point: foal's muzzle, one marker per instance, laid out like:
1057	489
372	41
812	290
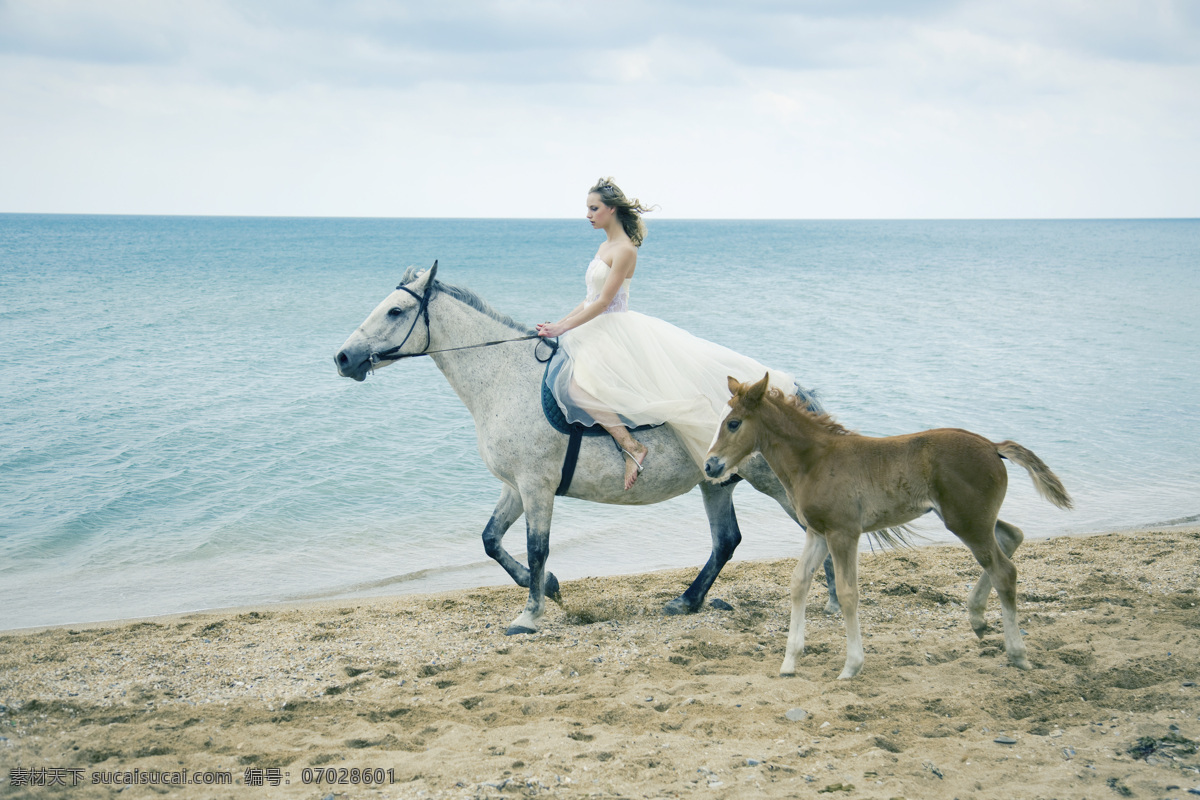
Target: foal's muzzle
714	468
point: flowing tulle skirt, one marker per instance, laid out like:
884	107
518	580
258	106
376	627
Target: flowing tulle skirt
648	372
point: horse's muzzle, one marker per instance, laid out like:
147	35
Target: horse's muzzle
714	468
350	367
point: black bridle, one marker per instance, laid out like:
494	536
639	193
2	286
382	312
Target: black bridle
394	354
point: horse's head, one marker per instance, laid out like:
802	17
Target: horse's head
737	436
398	327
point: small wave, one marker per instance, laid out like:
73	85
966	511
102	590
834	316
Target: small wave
416	581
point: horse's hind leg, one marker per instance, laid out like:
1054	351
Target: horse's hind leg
815	551
722	523
1009	537
983	544
508	510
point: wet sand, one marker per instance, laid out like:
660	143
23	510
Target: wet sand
613	699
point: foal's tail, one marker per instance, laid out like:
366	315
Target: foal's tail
1046	482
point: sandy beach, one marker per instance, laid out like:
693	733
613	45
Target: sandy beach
424	696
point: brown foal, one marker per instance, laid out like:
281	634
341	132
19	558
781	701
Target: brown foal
843	484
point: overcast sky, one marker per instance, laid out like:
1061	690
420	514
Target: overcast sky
512	108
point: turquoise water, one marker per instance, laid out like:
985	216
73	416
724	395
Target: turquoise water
173	434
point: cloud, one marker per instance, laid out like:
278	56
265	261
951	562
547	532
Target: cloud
936	108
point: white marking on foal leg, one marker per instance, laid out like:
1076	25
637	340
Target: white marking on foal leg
1003	576
977	603
1008	537
815	550
1014	644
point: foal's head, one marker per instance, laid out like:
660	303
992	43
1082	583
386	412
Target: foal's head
737	437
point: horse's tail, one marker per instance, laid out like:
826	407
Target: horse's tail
1046	482
893	538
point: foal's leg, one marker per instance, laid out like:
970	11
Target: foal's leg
508	509
1009	537
844	549
982	541
764	480
722	524
815	551
539	507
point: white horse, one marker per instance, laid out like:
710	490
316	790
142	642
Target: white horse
495	367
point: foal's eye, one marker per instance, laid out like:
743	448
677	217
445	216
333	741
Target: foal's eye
394	312
733	425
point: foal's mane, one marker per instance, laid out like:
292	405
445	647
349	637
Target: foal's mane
799	406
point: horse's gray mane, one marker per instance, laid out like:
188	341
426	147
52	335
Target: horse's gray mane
470	298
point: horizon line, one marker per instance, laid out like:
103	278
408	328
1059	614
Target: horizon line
649	220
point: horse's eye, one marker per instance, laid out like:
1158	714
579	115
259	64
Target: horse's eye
733	425
394	312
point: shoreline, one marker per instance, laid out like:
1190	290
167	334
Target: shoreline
340	598
613	699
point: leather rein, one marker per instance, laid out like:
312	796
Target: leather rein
394	354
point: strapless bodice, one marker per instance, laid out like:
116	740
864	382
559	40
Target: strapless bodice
597	274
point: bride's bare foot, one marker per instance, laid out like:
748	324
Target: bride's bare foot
634	459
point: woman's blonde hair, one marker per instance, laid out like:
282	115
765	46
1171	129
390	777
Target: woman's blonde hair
629	212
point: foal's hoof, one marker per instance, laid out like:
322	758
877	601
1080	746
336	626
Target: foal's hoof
513	630
1021	662
678	606
982	630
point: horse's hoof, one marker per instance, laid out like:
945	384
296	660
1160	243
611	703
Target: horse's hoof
552	589
720	605
1021	663
833	608
981	631
513	630
678	606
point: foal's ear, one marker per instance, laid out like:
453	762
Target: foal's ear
735	385
755	393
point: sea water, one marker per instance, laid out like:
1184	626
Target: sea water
174	436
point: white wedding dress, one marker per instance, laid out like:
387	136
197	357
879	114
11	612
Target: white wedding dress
647	371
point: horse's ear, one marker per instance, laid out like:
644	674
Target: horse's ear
755	393
734	385
412	273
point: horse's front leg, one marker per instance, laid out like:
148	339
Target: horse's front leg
815	551
539	508
843	546
722	523
832	605
508	509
